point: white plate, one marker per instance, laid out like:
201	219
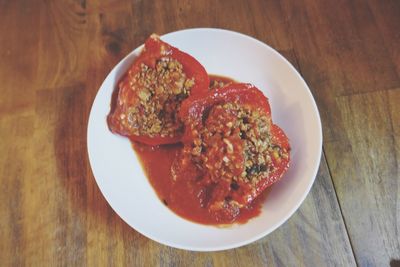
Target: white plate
126	188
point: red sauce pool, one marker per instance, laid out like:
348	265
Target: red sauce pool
180	196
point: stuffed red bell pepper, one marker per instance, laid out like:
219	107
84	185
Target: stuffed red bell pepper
232	146
151	92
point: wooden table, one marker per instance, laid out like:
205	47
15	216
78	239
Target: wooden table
54	56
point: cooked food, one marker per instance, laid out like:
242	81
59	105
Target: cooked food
224	149
151	92
232	147
217	81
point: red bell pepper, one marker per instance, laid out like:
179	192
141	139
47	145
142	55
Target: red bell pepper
195	112
127	94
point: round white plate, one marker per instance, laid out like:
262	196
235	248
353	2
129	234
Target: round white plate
126	188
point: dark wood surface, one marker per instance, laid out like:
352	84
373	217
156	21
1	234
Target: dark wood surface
54	56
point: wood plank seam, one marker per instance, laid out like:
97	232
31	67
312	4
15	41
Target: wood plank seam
330	174
340	208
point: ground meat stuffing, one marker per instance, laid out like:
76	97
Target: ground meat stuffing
159	91
234	144
218	81
214	84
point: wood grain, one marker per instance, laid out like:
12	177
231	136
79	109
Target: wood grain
56	54
351	67
366	175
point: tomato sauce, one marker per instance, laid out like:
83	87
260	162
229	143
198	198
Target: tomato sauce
181	193
180	196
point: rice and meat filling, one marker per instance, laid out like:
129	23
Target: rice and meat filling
233	135
159	91
214	84
235	146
